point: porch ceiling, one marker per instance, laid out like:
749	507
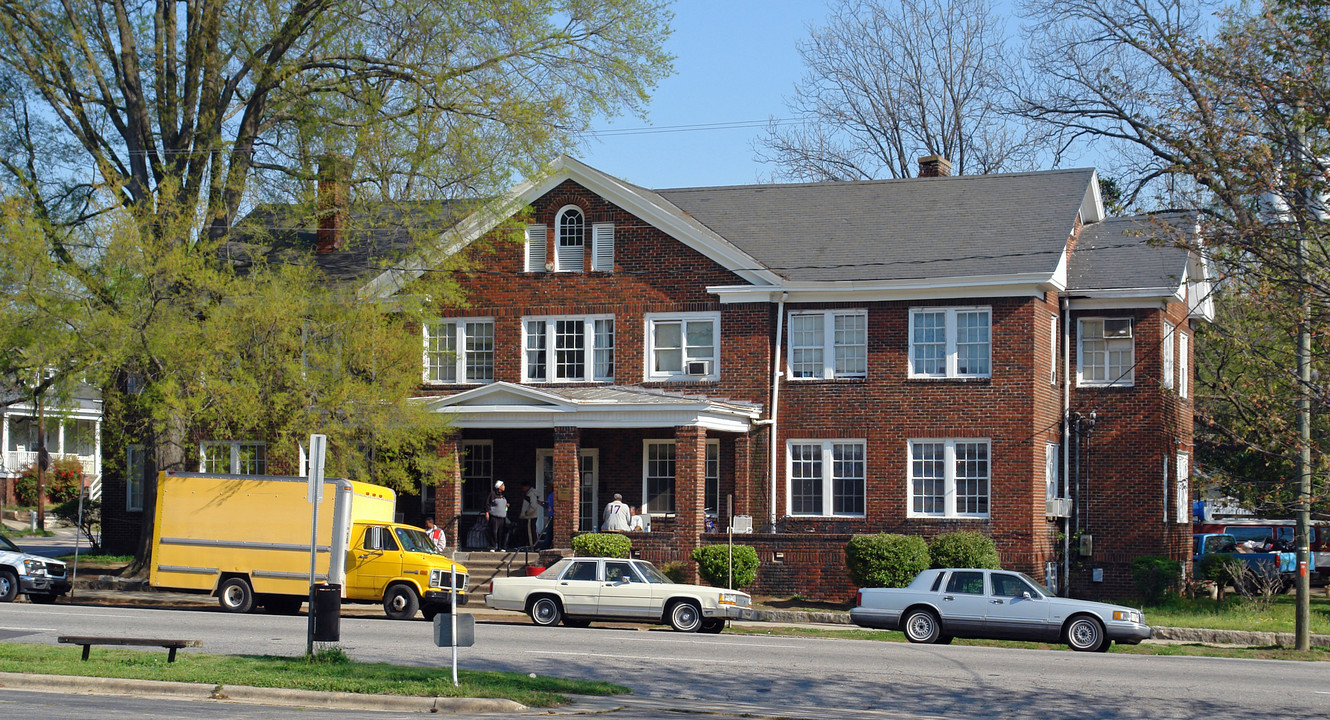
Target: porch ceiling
508	405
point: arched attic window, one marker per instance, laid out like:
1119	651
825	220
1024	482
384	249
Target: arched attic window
570	240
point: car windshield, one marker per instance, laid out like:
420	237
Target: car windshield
650	573
4	543
415	540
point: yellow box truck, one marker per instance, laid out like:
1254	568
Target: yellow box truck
245	539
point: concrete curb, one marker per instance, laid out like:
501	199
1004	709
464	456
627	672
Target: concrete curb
255	695
1235	637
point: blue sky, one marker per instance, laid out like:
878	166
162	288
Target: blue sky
735	62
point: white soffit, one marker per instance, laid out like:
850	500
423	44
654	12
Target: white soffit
1023	285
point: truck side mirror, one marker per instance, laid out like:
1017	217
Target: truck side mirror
374	539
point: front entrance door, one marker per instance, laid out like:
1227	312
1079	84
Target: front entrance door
589	473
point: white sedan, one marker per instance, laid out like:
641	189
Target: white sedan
581	589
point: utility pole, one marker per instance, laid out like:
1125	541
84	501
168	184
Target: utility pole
1302	625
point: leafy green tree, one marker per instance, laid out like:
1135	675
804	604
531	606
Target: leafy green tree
134	135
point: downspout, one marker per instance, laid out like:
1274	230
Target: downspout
775	404
1066	443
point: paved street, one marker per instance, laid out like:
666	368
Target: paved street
764	676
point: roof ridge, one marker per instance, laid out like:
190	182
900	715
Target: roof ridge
883	181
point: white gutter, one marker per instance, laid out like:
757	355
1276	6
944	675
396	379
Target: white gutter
775	398
1066	443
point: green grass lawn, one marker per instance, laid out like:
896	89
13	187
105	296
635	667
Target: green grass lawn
329	671
1236	614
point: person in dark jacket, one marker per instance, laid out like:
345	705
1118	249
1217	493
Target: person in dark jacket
496	512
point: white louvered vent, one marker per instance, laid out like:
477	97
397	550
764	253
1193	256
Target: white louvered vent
535	248
602	247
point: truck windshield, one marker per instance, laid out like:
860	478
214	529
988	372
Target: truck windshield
414	540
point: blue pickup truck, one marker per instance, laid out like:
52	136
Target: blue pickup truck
1269	563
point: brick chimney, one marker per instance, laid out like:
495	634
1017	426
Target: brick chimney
934	166
331	203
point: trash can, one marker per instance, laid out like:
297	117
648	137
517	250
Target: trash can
327	613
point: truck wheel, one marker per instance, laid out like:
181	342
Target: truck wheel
1085	634
8	586
922	626
43	598
235	595
545	611
400	602
685	616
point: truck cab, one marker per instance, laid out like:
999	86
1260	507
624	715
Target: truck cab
388	559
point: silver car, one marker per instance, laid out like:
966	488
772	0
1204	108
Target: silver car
942	604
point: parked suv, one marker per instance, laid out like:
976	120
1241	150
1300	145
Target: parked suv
42	579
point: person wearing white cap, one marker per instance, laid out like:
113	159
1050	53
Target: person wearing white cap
616	515
496	512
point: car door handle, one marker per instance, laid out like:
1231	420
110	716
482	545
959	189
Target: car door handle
996	602
948	597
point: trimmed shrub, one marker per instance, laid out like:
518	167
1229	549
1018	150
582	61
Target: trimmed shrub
1155	575
964	549
885	559
61	482
611	545
713	564
675	570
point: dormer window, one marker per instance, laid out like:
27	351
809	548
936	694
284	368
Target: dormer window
570	241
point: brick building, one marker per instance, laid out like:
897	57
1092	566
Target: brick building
918	356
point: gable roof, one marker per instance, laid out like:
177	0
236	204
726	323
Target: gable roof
920	228
1139	252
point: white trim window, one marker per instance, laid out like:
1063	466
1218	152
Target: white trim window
1053	350
1166	355
570	240
683	346
828	344
712	499
1106	353
445	364
825	478
1051	466
233	457
948	478
1184	364
135	467
658	477
951	342
568	349
536	238
1182	489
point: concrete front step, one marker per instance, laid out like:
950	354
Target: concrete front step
485	566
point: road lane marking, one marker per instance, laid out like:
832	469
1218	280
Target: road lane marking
645	658
79	614
30	629
714	642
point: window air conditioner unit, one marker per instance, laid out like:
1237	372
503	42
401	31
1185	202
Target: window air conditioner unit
1057	507
1117	328
697	367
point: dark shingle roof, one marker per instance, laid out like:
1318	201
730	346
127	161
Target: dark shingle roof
375	237
897	229
1136	252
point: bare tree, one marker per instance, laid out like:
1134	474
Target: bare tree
887	83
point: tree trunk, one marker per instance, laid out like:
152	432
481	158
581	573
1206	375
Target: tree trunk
168	455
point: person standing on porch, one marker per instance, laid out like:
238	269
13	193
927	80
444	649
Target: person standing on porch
616	515
496	512
530	512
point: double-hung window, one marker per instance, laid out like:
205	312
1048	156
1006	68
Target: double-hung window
658	477
949	342
233	458
135	462
1184	363
829	344
826	477
477	474
568	349
1182	489
1166	356
1107	354
459	351
949	478
683	346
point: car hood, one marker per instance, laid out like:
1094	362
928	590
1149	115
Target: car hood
1103	608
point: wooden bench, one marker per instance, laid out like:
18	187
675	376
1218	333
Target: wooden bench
88	641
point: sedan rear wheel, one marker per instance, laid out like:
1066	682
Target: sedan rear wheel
545	611
922	626
1086	634
685	616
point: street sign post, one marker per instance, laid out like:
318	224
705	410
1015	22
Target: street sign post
318	450
454	631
